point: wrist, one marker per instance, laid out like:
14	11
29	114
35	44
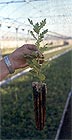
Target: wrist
11	58
9	64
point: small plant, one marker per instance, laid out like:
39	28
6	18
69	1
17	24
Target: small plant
36	62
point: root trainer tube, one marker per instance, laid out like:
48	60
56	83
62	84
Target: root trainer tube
39	96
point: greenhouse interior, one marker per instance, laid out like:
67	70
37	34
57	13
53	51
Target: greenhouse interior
35	70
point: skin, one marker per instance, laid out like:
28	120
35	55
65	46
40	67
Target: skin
17	59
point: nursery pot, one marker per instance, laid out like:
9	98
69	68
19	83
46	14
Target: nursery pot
39	96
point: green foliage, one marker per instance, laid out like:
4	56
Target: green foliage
37	28
34	62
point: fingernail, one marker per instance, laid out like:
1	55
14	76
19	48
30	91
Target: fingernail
36	52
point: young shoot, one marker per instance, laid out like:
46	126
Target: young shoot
36	61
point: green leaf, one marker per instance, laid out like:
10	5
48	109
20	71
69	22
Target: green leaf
30	21
42	23
33	35
37	44
36	28
36	67
32	73
41	77
45	31
36	63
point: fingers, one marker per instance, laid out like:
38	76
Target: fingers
33	51
39	54
29	50
31	47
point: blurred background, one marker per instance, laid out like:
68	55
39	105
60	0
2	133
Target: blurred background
14	25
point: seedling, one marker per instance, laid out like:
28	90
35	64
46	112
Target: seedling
36	61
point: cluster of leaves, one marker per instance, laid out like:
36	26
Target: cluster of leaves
37	29
17	113
36	62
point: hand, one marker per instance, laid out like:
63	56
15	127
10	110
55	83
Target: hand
17	57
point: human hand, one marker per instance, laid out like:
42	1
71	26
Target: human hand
17	57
